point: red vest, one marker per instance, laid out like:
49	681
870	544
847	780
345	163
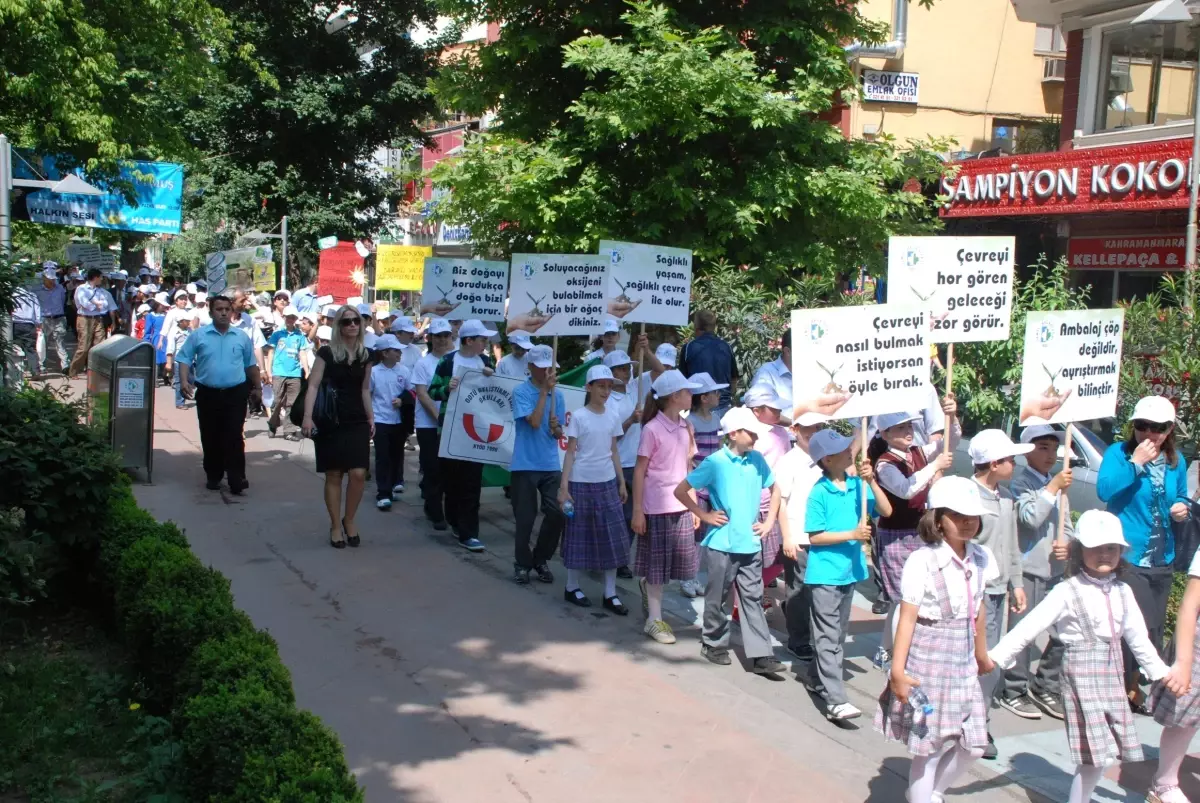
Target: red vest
905	512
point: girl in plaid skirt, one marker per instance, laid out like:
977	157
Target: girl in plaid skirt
706	431
595	538
666	545
1093	610
941	644
1178	714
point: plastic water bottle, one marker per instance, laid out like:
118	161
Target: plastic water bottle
568	509
882	659
918	701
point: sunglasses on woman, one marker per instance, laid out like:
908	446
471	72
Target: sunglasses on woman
1151	426
344	322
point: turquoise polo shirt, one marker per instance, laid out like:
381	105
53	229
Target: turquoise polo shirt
734	486
832	510
218	360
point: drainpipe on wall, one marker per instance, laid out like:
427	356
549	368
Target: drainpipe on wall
888	50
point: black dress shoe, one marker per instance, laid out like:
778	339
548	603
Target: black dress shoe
624	573
213	485
880	607
351	540
236	488
615	605
577	598
544	575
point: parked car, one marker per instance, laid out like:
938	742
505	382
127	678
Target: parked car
1087	448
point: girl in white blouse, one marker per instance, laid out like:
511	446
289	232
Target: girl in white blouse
941	644
1092	610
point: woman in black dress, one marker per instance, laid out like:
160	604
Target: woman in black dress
343	450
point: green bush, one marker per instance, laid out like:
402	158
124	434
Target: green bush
246	745
236	660
59	471
167	605
124	525
22	565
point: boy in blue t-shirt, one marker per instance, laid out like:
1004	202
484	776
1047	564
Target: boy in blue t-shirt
837	534
734	477
287	345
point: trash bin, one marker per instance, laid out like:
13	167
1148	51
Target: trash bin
120	392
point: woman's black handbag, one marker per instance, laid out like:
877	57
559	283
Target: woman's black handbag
325	410
1187	537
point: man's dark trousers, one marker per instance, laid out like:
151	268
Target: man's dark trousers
526	487
222	415
463	482
432	488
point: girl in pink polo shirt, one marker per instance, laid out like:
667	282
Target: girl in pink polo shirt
666	546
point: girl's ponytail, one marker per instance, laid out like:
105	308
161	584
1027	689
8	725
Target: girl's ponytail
652	407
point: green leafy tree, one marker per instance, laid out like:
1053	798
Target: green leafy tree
698	126
295	137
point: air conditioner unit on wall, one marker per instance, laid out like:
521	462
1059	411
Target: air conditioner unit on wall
1054	70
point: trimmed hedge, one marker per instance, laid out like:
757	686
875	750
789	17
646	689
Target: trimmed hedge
218	679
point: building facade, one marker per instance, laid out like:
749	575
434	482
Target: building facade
1113	199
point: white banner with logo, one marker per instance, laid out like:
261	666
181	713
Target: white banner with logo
883	86
1072	365
648	283
878	353
464	289
965	284
558	294
480	425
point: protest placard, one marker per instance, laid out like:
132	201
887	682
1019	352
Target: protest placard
1072	365
400	267
558	294
648	283
464	289
965	284
480	425
879	354
340	272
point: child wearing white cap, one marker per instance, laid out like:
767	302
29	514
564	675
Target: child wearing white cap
706	434
734	477
1094	611
515	363
624	403
906	472
837	530
666	544
389	385
933	702
605	344
591	493
427	413
767	407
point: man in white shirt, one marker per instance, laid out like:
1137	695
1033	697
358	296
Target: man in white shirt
244	321
515	364
796	475
94	305
426	423
777	375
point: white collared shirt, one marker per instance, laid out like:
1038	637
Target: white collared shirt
1056	611
778	377
917	581
796	475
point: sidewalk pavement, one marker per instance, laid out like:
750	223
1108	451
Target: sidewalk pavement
446	682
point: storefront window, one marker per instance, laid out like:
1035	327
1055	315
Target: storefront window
1147	76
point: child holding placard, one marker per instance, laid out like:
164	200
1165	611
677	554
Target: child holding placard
906	472
933	702
591	494
666	546
1093	611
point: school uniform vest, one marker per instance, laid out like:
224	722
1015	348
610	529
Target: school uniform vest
905	512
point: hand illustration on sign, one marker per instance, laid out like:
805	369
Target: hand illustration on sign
622	305
439	308
833	386
528	322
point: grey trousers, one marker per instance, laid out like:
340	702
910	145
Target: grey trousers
1048	679
725	569
993	682
796	609
830	619
55	331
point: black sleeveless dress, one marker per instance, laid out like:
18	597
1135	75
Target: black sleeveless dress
348	445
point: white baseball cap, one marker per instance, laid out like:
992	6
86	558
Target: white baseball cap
325	332
330	311
706	382
521	339
439	326
363	309
403	324
666	354
201	298
827	442
762	396
617	358
179	293
611	325
958	494
889	420
1156	409
283	293
164	299
191	288
741	418
598	372
310	316
143	308
812	419
993	444
388	341
669	382
1037	431
200	283
291	312
543	357
50	273
1099	527
354	301
382	314
144	288
474	328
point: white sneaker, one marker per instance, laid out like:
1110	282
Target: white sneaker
1166	794
688	588
384	504
660	631
842	711
935	799
398	488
